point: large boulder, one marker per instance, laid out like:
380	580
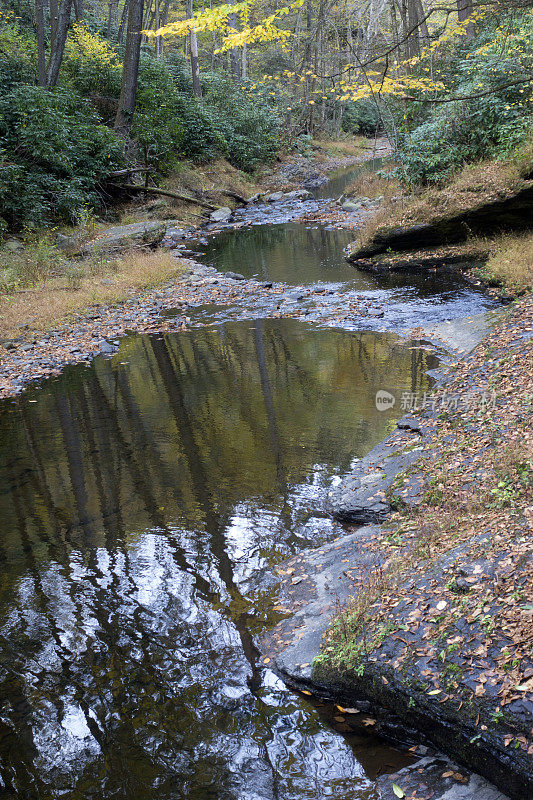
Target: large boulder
220	214
142	234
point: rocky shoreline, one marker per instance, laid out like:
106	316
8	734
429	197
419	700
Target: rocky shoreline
425	653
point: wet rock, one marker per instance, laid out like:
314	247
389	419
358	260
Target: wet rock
298	194
221	214
440	779
409	424
106	348
146	233
314	181
274	197
236	276
362	496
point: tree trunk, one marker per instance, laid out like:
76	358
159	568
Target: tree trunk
234	53
41	53
395	31
146	21
464	12
79	10
157	25
56	54
195	64
130	70
112	15
54	20
123	21
414	33
423	23
244	61
164	18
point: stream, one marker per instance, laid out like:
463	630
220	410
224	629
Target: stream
146	500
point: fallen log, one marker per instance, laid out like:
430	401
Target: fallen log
119	173
133	187
236	196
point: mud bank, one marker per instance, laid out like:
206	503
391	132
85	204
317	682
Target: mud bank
426	620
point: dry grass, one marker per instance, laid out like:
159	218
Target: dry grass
369	184
510	262
208	180
53	298
474	185
351	146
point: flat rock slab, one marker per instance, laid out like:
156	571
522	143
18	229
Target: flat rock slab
361	497
314	585
463	334
147	232
437	778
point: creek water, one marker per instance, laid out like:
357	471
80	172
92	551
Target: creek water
340	179
306	255
145	501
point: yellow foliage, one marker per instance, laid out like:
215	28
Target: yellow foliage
81	43
217	19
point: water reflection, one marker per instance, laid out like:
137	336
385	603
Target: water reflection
291	253
340	179
143	501
302	255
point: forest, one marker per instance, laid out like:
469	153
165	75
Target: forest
92	88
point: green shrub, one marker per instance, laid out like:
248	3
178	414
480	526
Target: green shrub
250	128
492	125
54	152
361	117
90	65
17	53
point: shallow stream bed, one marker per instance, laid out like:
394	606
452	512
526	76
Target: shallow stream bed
146	500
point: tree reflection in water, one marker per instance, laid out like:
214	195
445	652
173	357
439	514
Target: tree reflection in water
143	504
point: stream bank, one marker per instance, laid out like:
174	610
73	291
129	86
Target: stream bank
428	616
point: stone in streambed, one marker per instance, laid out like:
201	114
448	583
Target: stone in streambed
221	214
437	775
298	194
349	205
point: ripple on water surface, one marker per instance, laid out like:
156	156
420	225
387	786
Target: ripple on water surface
144	501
